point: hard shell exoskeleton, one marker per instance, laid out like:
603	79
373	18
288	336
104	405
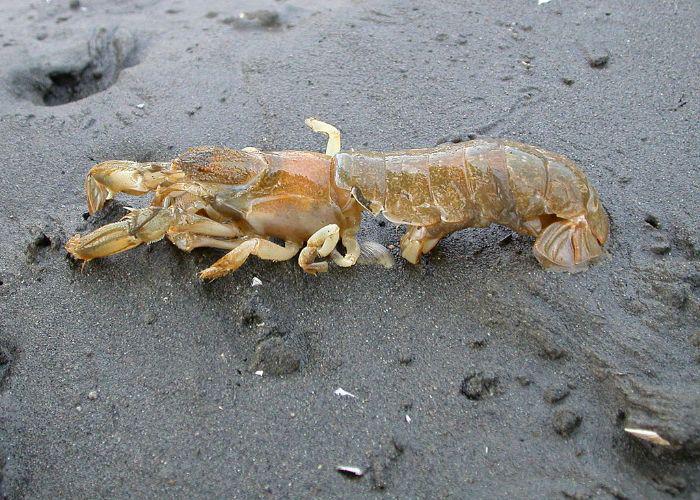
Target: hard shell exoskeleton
240	200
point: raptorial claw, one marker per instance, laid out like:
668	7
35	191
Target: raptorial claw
116	176
97	194
139	226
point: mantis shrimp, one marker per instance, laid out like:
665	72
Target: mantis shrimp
242	200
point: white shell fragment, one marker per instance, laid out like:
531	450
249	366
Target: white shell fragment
350	470
342	392
259	373
408	419
256	281
646	435
540	2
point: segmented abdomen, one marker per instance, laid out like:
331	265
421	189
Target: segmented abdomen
475	183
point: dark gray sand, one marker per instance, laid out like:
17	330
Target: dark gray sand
132	378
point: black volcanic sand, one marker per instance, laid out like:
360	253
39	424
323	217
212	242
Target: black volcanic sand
132	378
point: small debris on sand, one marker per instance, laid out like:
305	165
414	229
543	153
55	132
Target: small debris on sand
555	393
266	18
647	435
350	471
600	60
262	18
478	384
566	421
652	220
505	240
342	392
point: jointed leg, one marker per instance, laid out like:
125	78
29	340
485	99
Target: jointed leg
151	224
193	223
186	195
186	231
189	241
111	177
415	243
193	231
333	146
352	247
320	244
420	240
259	247
352	216
138	226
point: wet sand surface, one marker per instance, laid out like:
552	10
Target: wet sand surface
476	373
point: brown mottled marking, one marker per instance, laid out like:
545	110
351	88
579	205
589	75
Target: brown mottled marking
218	164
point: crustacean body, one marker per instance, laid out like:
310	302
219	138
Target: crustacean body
240	199
478	183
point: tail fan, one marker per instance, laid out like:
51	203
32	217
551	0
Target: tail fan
568	245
